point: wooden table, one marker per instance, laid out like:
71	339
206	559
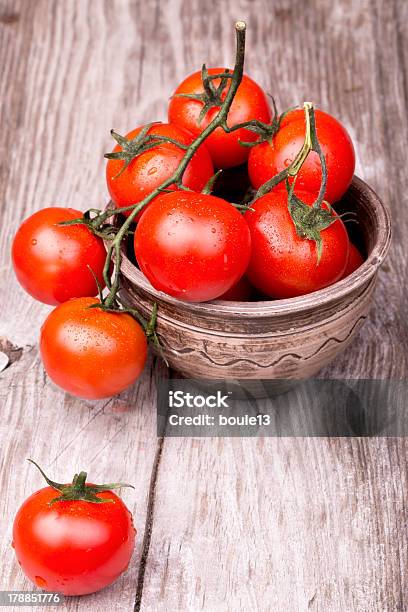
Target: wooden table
282	524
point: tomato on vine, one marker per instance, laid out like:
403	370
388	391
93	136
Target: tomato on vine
148	156
192	246
268	159
92	353
197	101
74	539
284	263
52	262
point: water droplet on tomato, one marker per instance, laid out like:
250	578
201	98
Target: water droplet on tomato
33	242
152	170
12	545
287	162
40	582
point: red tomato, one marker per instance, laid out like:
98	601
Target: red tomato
50	260
91	353
282	264
354	261
250	102
192	246
150	169
73	547
268	159
240	292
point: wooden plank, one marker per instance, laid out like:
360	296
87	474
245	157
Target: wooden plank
65	72
303	524
279	524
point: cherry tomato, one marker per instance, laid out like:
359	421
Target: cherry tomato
250	102
282	264
89	352
240	292
150	169
355	259
73	547
192	246
268	159
50	260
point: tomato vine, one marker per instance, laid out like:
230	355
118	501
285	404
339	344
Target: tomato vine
114	236
309	221
79	489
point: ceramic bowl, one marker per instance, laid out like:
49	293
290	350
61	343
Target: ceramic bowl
280	339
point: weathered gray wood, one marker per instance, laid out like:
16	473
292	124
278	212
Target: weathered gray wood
266	524
278	524
64	70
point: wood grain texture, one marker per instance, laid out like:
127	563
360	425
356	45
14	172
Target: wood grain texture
278	524
268	524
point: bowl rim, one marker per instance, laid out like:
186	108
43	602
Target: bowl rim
334	292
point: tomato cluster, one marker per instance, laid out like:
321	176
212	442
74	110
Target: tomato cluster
190	243
194	240
187	244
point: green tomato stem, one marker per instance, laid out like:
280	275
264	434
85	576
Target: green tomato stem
78	490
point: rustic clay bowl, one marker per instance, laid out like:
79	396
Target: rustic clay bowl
281	339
